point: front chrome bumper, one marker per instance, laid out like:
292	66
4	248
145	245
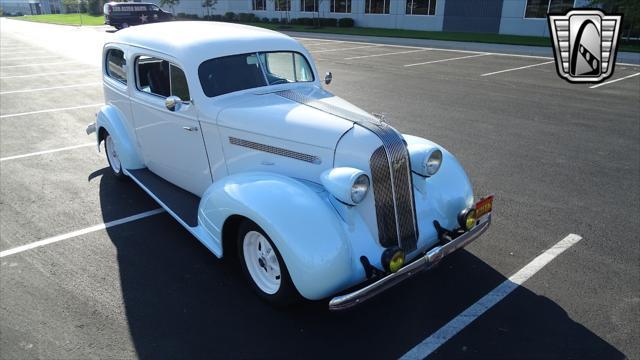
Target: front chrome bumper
431	258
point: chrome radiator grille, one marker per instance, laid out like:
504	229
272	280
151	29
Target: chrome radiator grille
390	171
393	190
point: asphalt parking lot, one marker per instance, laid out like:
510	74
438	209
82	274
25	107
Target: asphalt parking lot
88	269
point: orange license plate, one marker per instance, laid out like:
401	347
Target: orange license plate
484	206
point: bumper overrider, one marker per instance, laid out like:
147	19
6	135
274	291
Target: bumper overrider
425	262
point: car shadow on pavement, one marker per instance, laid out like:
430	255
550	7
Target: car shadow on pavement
182	302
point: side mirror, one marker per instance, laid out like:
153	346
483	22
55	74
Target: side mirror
173	103
328	77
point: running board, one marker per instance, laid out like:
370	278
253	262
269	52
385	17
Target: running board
183	204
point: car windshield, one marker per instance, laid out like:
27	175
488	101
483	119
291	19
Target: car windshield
239	72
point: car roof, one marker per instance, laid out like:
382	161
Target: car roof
197	41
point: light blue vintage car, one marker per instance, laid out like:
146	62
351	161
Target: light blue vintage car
228	127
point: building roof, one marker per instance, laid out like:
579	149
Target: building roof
196	41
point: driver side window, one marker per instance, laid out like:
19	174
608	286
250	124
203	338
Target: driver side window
161	78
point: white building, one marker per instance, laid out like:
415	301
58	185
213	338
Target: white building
517	17
31	7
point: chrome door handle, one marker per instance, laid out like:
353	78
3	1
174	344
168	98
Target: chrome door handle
190	128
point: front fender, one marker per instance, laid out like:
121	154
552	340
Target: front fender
442	196
299	220
113	121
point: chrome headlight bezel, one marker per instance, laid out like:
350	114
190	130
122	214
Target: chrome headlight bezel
425	160
433	162
360	188
349	185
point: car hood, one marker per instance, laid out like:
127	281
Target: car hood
292	115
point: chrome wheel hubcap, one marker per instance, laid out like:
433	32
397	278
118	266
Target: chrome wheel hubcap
262	262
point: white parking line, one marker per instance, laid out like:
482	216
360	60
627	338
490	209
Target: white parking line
315	39
518	68
31	57
386	54
613	81
50	88
50	110
345	49
449	59
20	48
27	52
453	327
314	43
49	73
76	233
46	152
327	41
38	64
455	50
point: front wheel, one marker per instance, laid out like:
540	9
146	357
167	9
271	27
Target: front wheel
263	266
112	157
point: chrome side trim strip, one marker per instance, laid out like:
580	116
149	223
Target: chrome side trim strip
276	150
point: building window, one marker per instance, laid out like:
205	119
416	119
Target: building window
540	8
340	6
283	5
421	7
308	5
376	7
259	5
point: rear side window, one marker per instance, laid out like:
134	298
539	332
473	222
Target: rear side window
116	65
159	77
230	73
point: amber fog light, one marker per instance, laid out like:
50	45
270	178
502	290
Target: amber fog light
467	219
393	259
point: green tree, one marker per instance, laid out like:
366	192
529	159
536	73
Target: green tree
94	7
74	6
170	3
209	5
630	9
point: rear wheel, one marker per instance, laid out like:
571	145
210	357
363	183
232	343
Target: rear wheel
263	266
124	26
112	157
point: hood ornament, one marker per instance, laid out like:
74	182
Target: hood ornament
381	117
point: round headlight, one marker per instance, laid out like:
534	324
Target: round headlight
425	159
346	184
359	188
433	162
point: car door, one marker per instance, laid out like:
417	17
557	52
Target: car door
171	141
